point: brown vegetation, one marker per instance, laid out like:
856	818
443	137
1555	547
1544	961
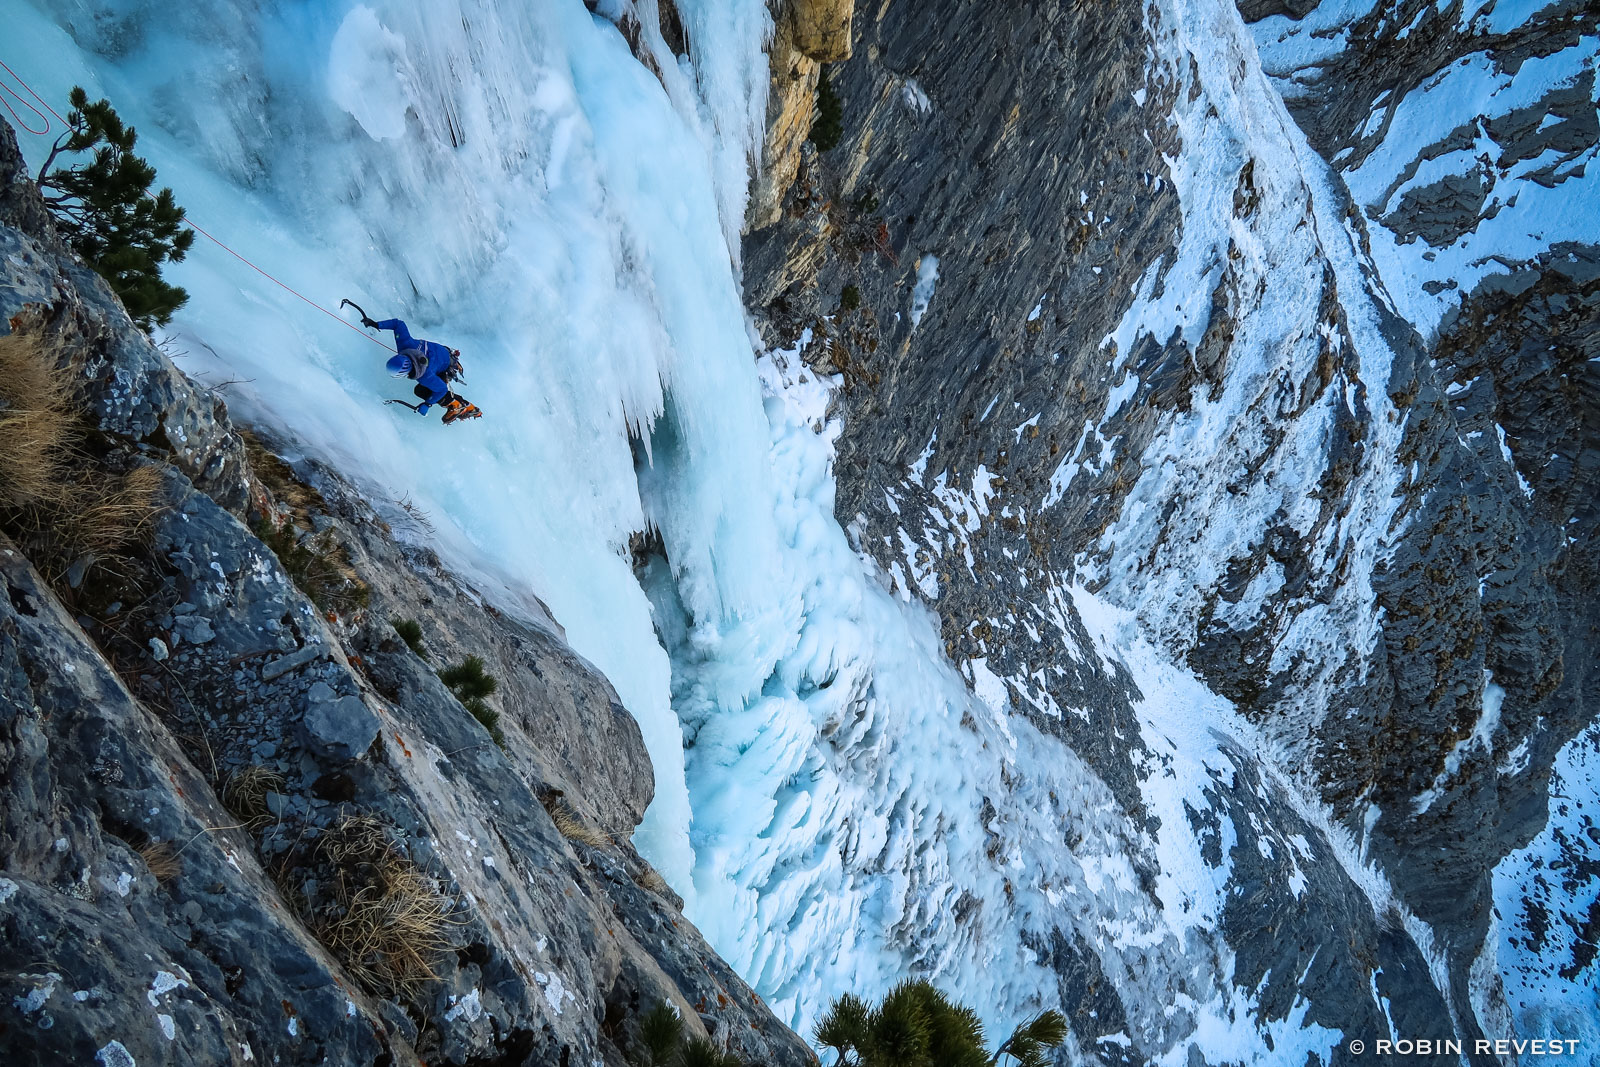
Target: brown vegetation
280	480
67	506
318	564
382	917
574	828
246	793
162	861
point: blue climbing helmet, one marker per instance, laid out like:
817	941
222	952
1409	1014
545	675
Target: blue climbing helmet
401	365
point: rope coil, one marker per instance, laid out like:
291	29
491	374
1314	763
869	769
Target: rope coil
42	117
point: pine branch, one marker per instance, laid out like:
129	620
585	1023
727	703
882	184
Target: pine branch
55	150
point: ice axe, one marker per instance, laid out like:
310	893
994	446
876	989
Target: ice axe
366	320
403	404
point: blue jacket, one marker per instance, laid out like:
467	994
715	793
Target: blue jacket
437	355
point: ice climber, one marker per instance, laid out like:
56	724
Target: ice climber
430	364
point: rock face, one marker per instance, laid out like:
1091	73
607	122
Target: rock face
1061	373
806	35
241	827
822	28
791	105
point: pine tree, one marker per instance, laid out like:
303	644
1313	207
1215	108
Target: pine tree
918	1026
470	684
659	1033
662	1043
103	207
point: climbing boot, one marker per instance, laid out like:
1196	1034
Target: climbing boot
455	408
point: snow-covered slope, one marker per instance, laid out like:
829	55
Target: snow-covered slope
1481	158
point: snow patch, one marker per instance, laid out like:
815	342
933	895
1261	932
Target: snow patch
922	292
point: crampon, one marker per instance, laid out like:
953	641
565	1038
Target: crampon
456	409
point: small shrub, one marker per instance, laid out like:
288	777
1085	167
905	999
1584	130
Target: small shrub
702	1052
849	298
410	632
471	684
660	1030
487	716
245	795
469	679
828	125
104	209
383	918
416	515
1031	1041
662	1044
918	1026
844	1026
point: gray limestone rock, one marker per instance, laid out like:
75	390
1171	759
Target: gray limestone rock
338	727
277	668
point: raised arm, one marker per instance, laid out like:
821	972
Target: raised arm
402	336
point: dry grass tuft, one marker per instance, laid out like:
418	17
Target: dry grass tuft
246	794
36	438
119	511
162	861
573	828
68	510
651	881
383	918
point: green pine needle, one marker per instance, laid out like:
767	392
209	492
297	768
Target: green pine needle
410	632
660	1029
699	1052
1049	1028
844	1027
917	1025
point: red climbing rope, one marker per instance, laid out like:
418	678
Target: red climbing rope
188	220
332	315
24	103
